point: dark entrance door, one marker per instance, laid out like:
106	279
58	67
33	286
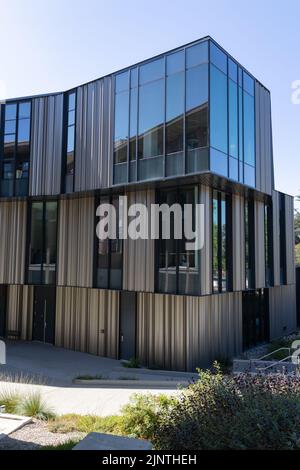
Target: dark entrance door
44	314
127	325
2	310
255	317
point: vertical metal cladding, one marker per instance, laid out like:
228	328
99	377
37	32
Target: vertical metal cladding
87	320
20	310
259	227
238	243
206	252
93	149
185	332
139	255
282	310
46	146
276	240
264	145
76	242
289	236
13	217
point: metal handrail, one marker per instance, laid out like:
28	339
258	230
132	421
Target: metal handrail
273	352
274	363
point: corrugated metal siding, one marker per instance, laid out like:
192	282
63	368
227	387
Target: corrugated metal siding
76	242
46	146
276	234
93	151
20	310
206	252
87	320
264	146
238	238
13	217
184	332
290	240
282	310
260	266
139	255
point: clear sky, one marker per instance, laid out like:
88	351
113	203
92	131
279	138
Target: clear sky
54	45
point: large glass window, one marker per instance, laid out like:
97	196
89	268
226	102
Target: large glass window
221	242
178	268
249	244
282	238
121	126
197	107
174	113
70	119
268	238
218	110
42	243
109	254
15	154
151	119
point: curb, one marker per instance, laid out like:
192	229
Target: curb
174	384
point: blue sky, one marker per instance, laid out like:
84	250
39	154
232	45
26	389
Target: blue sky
54	45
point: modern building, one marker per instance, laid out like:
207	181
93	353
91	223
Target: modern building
190	125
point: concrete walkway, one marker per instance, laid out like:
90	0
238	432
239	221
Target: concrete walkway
50	371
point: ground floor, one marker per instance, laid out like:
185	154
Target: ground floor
174	332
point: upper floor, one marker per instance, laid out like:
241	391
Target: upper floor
190	111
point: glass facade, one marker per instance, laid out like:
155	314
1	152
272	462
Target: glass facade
42	243
15	149
109	254
70	119
232	119
249	244
221	242
178	268
161	117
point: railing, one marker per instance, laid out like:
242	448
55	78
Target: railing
268	355
274	364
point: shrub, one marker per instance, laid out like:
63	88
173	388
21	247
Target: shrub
68	445
132	363
11	400
34	406
89	423
141	415
239	412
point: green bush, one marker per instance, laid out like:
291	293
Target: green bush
141	415
68	445
132	363
239	412
33	405
11	400
89	423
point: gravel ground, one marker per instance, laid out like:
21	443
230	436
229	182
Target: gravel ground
35	435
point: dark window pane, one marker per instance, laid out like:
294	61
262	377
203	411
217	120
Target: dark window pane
10	111
175	62
23	130
72	101
133	123
218	162
233	119
10	127
248	84
174	113
9	146
232	70
24	110
151	118
152	71
218	58
134	77
196	127
218	110
36	243
197	54
49	258
121	126
241	131
215	240
122	81
8	171
249	125
22	170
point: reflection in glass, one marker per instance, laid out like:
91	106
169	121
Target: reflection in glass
175	62
151	118
197	54
122	81
233	119
133	123
49	256
10	111
197	107
24	110
174	113
249	129
218	57
36	243
121	126
152	71
218	110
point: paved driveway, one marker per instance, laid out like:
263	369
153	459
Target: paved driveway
51	370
